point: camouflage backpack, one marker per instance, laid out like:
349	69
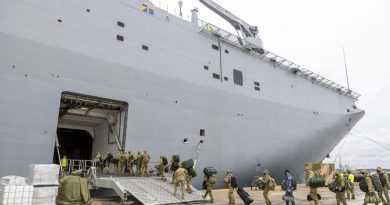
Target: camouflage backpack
145	158
271	184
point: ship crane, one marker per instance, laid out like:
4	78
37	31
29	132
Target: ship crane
248	32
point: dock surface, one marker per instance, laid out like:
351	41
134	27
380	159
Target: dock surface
221	198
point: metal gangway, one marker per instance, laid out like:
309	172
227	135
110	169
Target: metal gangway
147	190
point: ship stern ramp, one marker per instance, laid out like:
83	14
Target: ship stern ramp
148	190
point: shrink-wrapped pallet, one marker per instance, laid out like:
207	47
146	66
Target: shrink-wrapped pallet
16	195
13	181
44	174
45	195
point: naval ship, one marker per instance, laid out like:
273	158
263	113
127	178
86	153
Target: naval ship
101	76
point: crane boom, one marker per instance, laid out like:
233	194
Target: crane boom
246	29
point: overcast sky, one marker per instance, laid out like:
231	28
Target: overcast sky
312	33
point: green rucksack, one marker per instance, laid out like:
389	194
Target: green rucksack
316	182
376	181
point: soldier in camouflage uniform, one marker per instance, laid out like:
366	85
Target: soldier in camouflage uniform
340	192
385	186
122	162
130	163
138	161
228	184
265	180
161	168
144	165
188	181
313	191
371	191
180	175
107	163
99	163
210	182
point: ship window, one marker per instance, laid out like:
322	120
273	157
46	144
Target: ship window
120	38
257	88
121	24
216	76
202	132
215	47
146	48
88	10
206	67
59	20
257	83
238	79
226	78
226	51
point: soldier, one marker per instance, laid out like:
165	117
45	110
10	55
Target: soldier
180	175
117	156
161	167
144	165
122	162
188	181
107	163
138	164
371	191
228	184
385	186
130	163
174	166
210	182
313	191
340	192
351	188
99	163
265	180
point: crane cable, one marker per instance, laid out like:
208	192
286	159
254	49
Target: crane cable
373	141
342	145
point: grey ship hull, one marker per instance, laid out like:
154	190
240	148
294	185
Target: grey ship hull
170	96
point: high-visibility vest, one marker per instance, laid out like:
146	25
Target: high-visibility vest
351	178
64	162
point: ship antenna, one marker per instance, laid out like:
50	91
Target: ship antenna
180	7
346	69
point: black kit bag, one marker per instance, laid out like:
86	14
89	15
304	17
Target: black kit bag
363	186
208	171
164	161
311	199
246	198
233	182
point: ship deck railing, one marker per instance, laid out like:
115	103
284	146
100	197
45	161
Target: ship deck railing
277	61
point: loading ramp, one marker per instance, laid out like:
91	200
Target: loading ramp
148	190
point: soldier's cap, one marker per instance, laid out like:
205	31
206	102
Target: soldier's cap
307	169
349	171
365	171
379	169
229	171
265	171
337	173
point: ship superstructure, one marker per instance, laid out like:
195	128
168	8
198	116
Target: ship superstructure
126	75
